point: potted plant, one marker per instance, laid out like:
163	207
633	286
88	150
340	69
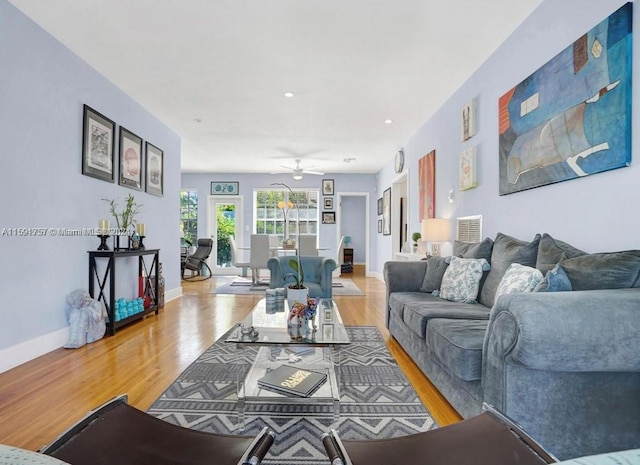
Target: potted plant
416	236
125	219
297	291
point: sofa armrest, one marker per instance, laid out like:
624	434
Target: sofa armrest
326	276
402	276
574	331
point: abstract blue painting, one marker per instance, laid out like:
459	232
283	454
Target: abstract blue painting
572	117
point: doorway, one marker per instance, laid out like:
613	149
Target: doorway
400	208
225	219
355	206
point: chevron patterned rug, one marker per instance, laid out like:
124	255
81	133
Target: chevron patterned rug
377	401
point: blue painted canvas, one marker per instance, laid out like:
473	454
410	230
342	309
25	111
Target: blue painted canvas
572	117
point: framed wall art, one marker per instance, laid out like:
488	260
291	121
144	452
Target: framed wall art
468	120
327	187
427	186
225	188
98	142
380	226
328	217
328	203
386	212
130	160
468	175
154	170
572	117
380	206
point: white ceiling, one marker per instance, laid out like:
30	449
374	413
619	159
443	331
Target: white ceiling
215	71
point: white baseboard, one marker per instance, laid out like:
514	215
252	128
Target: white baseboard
26	351
375	274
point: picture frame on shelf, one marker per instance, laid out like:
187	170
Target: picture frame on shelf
154	170
327	187
98	145
130	165
225	188
328	203
328	217
386	212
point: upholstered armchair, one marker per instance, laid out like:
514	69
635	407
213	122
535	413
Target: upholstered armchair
317	273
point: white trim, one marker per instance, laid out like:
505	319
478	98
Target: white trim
25	351
402	179
172	294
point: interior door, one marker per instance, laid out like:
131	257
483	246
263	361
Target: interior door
225	218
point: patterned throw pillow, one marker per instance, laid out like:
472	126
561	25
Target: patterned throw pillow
518	278
461	281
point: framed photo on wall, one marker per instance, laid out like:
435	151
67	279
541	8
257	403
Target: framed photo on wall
327	187
380	226
380	206
386	212
468	120
130	160
154	170
328	203
98	142
328	217
225	188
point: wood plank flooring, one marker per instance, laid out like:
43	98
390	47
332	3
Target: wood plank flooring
40	399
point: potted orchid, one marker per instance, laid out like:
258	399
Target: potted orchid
297	291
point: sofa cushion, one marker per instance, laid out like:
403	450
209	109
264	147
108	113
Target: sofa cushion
398	301
551	251
507	250
613	270
417	315
518	278
556	280
461	281
436	266
457	345
473	249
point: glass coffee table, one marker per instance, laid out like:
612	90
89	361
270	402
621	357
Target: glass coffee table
315	347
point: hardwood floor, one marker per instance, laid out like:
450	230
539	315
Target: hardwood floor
40	399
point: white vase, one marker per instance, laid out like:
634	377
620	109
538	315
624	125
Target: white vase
297	295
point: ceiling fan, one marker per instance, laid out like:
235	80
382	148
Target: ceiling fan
298	171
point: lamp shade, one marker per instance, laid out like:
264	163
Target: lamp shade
435	230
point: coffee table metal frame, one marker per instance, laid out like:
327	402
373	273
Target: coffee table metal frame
277	341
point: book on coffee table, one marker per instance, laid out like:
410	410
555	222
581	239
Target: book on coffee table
293	381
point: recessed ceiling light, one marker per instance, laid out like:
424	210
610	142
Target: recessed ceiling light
388	121
289	94
198	120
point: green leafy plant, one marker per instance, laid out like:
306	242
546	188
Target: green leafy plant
416	236
298	275
126	218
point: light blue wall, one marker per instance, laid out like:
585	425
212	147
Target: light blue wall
596	213
249	182
43	87
353	225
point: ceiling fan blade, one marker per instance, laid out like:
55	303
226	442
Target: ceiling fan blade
313	172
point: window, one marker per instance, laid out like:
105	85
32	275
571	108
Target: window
189	215
278	212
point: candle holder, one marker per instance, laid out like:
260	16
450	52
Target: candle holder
103	242
141	244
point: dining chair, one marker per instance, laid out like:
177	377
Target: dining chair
308	245
260	254
236	257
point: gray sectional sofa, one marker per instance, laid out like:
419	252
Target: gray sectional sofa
560	356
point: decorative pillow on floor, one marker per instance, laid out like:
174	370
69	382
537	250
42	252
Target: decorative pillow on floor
436	267
518	278
461	281
556	280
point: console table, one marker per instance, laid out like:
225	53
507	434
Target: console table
145	272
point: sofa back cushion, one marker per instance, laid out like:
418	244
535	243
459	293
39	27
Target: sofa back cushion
507	250
613	270
436	266
461	281
473	249
551	251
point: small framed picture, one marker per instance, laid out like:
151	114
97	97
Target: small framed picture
327	187
225	188
468	174
154	170
327	332
468	120
380	206
130	160
98	142
328	203
328	217
380	226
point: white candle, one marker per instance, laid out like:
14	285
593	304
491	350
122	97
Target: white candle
103	227
141	229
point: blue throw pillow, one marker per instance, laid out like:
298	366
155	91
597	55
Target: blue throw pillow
556	280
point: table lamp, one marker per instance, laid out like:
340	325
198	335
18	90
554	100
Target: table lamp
435	230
